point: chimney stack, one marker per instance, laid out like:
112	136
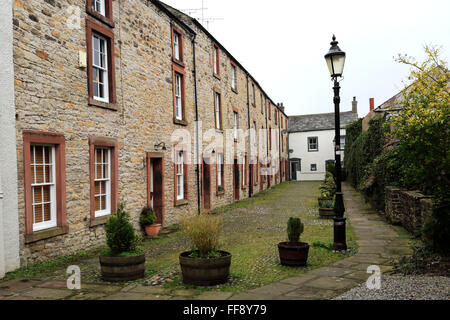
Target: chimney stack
281	106
354	105
372	104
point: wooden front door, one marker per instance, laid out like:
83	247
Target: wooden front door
206	191
156	187
236	180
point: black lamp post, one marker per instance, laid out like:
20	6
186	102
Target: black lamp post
335	60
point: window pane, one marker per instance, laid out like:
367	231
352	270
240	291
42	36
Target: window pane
37	194
37	213
46	193
47	215
97	203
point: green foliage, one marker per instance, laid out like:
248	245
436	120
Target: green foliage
422	129
321	244
120	234
327	204
295	228
328	186
420	262
204	232
331	168
148	217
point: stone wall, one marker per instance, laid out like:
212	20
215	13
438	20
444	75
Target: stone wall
410	209
52	95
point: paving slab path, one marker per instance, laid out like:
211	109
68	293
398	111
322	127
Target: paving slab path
378	244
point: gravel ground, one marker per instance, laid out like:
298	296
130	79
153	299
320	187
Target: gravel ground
403	288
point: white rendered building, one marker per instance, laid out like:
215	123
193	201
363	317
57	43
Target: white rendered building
311	141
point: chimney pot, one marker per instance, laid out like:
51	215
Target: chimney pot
372	104
354	105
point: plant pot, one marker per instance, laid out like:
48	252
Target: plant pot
152	230
293	254
326	213
120	269
205	271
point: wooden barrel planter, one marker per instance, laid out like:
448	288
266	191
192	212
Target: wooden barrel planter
326	213
293	254
121	269
205	271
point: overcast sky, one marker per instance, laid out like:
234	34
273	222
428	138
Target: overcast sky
282	44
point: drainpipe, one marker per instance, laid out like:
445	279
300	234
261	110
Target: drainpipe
267	139
279	142
197	170
250	171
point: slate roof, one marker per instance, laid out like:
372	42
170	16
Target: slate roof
319	122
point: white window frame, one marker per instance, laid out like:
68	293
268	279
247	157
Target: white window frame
178	97
52	222
215	62
233	77
217	110
254	94
176	45
243	171
107	180
99	68
219	170
99	6
180	175
342	143
309	144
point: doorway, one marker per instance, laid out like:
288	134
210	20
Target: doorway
236	180
206	185
155	174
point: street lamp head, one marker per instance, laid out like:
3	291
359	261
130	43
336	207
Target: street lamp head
335	59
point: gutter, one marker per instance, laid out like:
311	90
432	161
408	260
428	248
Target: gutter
250	182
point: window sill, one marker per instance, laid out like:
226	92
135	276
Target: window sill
99	221
104	105
216	76
244	187
100	17
219	130
46	234
234	90
180	122
220	193
179	62
181	203
254	105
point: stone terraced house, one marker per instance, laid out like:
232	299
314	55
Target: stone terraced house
99	89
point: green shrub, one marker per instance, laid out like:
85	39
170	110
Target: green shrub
331	168
204	232
295	228
148	217
120	234
327	204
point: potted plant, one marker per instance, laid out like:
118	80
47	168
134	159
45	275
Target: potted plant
204	265
326	209
294	253
122	261
147	220
324	196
